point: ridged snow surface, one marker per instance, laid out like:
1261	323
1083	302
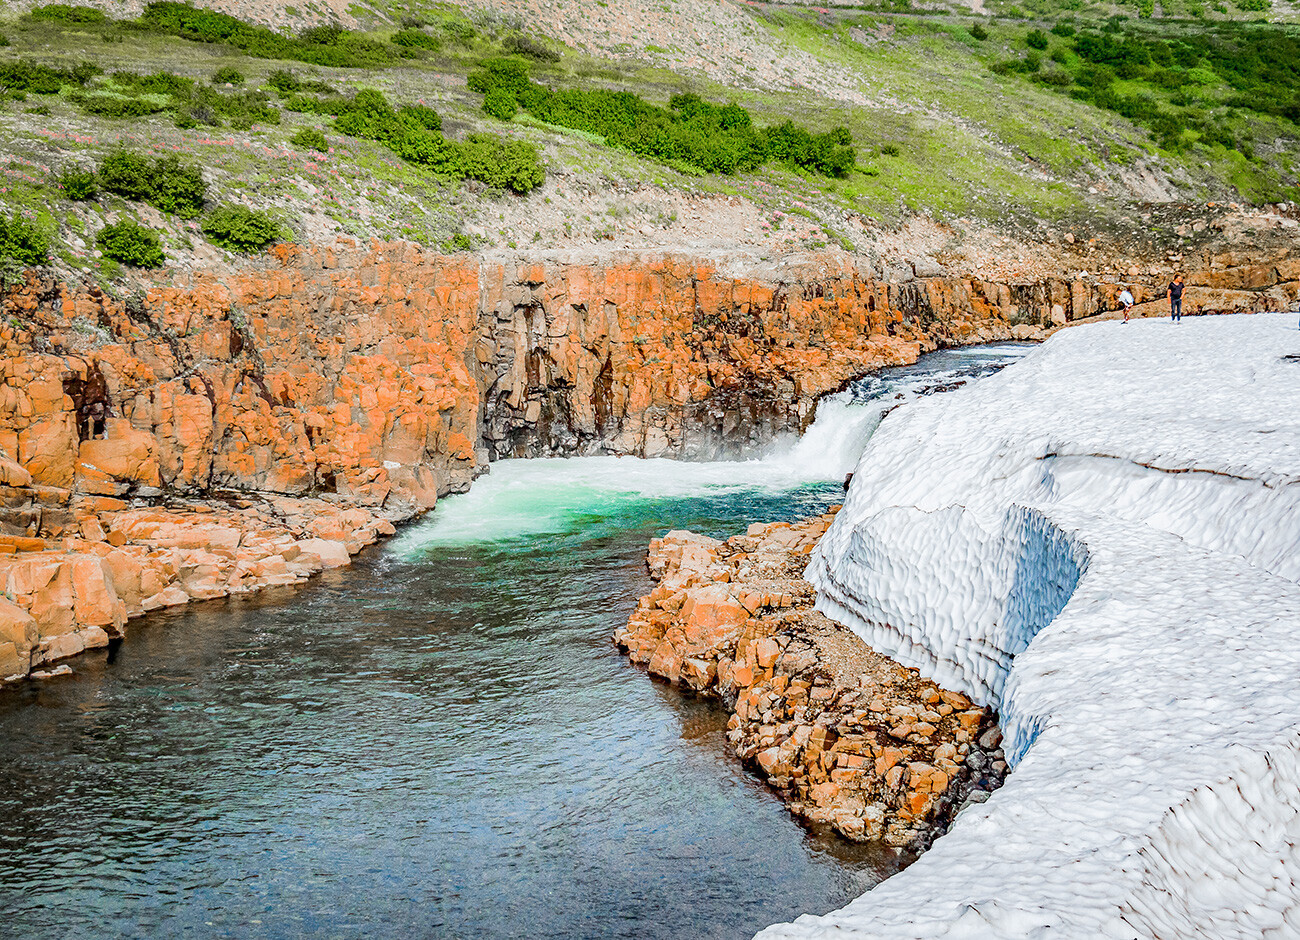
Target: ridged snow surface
1102	542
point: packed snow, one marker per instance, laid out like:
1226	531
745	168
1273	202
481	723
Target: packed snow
1103	543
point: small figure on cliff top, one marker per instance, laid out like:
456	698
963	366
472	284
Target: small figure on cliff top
1126	301
1175	295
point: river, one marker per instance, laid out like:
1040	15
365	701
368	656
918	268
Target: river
439	741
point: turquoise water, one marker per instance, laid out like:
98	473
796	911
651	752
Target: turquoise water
440	741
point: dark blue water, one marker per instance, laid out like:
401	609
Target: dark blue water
437	743
440	741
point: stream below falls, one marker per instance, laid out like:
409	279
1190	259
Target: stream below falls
439	741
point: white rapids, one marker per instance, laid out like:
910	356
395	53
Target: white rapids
1103	543
530	497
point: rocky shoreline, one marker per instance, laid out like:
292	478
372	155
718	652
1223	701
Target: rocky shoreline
115	561
848	737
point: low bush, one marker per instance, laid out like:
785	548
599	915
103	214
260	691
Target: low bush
167	183
979	32
69	13
513	165
310	138
421	114
321	45
329	104
288	84
238	228
416	39
1036	39
227	75
500	104
78	185
115	106
131	243
22	75
690	132
127	174
22	242
525	46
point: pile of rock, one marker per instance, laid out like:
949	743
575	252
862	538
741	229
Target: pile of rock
851	738
66	595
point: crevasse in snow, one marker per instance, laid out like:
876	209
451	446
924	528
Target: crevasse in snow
1103	543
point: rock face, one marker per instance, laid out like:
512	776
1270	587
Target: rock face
77	595
383	376
851	739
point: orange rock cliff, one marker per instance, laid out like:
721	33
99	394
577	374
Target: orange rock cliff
331	390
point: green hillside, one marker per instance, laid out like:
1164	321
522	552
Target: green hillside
467	128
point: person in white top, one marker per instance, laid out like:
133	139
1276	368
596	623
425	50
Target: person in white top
1126	301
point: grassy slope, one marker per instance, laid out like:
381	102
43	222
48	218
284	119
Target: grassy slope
970	143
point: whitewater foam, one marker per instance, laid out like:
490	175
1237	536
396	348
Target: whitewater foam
531	497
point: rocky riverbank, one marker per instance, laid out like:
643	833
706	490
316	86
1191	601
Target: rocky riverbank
849	737
115	561
380	377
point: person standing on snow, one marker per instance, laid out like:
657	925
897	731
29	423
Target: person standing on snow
1175	295
1126	301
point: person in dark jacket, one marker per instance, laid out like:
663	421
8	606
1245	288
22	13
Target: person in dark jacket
1175	294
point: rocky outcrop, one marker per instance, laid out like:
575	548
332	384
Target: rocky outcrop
851	739
383	376
61	599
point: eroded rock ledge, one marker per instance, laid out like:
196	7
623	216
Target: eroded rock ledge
383	376
850	738
60	600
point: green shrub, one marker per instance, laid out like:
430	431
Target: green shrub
329	104
178	187
421	114
284	81
1057	79
979	32
500	104
415	39
523	45
512	165
1036	39
505	164
508	73
1063	29
115	106
458	242
22	75
690	132
77	184
68	13
167	183
238	228
21	241
4	40
322	45
227	75
131	244
155	83
310	138
890	150
127	174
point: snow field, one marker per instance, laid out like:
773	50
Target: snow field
1103	543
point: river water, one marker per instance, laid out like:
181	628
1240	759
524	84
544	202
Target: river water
440	741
